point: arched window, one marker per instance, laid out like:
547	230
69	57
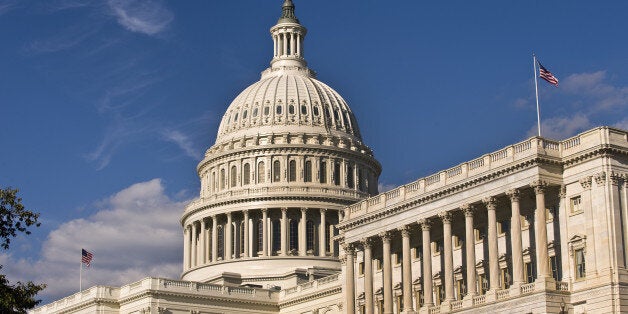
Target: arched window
323	171
350	177
316	111
276	171
279	109
276	235
245	114
307	177
294	234
292	172
221	243
222	179
214	183
337	173
266	110
309	235
261	172
246	173
303	109
235	119
254	112
291	109
234	176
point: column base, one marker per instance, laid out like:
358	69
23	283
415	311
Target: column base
467	301
544	283
491	295
515	289
425	309
445	306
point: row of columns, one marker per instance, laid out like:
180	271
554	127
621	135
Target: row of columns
469	210
196	233
287	44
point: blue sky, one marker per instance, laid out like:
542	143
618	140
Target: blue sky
107	106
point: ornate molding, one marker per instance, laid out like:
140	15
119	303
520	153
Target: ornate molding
405	231
445	217
539	186
586	182
386	236
600	178
425	223
490	202
562	193
367	242
616	178
514	195
468	210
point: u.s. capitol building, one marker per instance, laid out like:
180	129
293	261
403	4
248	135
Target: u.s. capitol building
289	219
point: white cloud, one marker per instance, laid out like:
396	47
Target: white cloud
135	234
6	6
383	187
562	127
146	17
182	141
593	87
623	124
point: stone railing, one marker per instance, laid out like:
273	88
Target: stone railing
275	191
527	288
456	305
479	299
434	310
562	286
102	293
502	294
535	146
310	286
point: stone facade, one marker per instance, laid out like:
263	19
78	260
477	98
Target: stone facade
289	219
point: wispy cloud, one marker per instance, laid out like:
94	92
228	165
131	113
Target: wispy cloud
146	17
6	6
183	142
586	99
384	187
124	251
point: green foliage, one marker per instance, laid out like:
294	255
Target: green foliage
19	297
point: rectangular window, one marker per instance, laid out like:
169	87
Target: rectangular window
323	171
478	235
482	284
337	173
554	267
461	289
529	272
502	227
419	299
575	203
440	294
580	263
457	242
504	278
418	252
361	268
378	263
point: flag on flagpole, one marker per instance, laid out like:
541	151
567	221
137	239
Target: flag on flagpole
547	75
86	257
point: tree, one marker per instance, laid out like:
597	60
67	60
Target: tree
14	219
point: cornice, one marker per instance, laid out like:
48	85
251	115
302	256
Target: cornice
601	150
312	296
88	303
158	293
256	199
448	190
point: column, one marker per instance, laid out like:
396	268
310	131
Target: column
540	228
285	44
448	255
515	238
387	271
292	44
284	231
186	247
470	249
406	268
203	245
368	276
265	231
321	234
349	278
228	237
214	238
275	45
303	232
428	286
247	232
299	44
194	245
493	254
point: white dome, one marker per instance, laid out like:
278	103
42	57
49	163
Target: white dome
288	101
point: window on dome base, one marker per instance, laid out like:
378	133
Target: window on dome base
261	172
316	113
254	112
276	171
245	114
292	171
350	179
222	179
291	109
266	111
246	173
308	172
234	176
337	173
303	109
279	109
309	230
323	171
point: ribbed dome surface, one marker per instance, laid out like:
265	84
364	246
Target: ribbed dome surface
289	101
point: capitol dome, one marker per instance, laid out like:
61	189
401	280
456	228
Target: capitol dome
288	158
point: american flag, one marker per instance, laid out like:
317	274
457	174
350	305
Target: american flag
547	75
86	257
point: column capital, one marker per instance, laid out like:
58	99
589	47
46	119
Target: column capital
405	231
264	210
386	236
245	211
600	178
228	214
539	186
304	209
467	209
348	248
586	182
490	202
445	217
367	242
514	195
284	210
322	210
425	224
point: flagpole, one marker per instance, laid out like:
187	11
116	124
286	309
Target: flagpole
81	276
536	89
